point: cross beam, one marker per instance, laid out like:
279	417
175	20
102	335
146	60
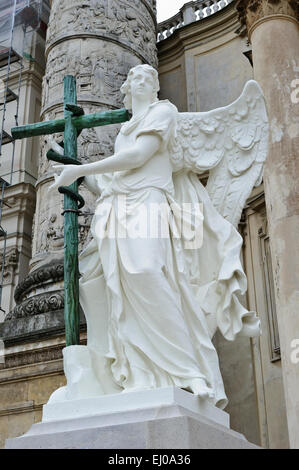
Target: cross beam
73	123
80	123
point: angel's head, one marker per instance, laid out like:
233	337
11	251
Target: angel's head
142	81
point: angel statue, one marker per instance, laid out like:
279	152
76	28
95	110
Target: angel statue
154	301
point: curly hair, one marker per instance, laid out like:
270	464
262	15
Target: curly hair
126	87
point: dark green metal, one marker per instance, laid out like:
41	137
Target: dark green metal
75	196
56	157
71	270
80	123
40	128
65	160
75	110
72	124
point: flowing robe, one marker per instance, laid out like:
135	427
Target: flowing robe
151	304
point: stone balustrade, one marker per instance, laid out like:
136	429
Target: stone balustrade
189	13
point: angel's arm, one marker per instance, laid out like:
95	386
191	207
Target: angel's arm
128	159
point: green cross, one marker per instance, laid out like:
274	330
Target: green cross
73	123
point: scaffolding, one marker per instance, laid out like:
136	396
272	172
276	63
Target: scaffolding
18	19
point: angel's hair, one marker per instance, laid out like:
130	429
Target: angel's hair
126	87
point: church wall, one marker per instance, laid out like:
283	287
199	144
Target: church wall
205	62
220	71
171	81
266	349
32	372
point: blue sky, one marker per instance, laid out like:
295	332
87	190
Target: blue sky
168	8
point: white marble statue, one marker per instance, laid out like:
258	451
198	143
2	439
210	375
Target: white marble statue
153	302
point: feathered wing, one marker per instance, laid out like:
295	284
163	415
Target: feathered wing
231	142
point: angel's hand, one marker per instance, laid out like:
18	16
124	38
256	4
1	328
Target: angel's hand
49	139
70	173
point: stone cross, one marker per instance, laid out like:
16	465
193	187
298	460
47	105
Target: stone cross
73	123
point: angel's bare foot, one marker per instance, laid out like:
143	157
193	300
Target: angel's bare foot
199	387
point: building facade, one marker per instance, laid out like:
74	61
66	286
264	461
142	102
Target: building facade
204	55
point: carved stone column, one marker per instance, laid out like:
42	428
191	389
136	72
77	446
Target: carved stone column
272	27
98	41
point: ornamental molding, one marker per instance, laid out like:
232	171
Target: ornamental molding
39	304
34	357
49	273
251	12
103	37
190	13
19	198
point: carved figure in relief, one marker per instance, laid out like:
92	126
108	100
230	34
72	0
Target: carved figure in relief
154	301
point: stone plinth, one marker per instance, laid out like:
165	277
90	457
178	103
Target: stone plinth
109	405
157	419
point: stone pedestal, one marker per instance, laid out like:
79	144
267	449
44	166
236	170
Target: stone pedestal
155	419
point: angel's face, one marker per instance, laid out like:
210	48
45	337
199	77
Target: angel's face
142	84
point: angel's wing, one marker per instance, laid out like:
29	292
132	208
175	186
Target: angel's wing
231	142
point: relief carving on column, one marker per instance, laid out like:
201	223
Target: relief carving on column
42	303
132	22
98	77
251	11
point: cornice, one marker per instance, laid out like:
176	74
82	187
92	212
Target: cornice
252	13
19	191
34	76
198	33
50	273
19	199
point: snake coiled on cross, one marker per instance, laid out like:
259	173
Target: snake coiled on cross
65	160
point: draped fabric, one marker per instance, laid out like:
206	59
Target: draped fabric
160	301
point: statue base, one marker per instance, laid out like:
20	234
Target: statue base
168	418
